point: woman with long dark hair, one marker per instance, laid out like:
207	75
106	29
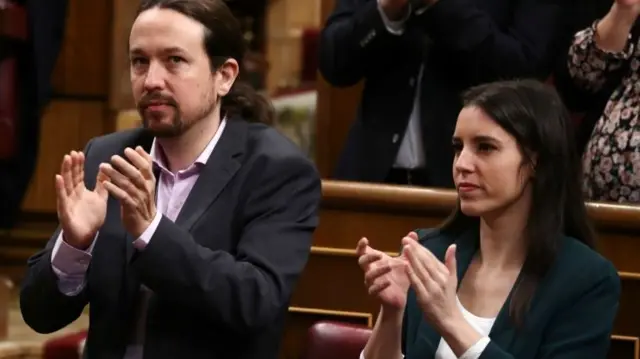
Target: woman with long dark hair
513	272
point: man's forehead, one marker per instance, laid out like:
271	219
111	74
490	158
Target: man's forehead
154	26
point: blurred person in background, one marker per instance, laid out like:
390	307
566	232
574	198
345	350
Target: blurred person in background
416	57
600	79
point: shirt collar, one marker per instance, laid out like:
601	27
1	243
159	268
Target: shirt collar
158	157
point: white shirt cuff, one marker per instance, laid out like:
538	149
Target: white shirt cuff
394	27
142	242
476	350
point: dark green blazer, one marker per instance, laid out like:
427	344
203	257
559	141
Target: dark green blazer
571	315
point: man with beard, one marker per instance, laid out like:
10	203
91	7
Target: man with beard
186	236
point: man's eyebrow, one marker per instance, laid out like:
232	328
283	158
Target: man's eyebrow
168	50
135	51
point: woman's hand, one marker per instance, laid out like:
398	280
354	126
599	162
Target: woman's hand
384	276
435	283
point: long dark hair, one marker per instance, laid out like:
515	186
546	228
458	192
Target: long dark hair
222	40
534	115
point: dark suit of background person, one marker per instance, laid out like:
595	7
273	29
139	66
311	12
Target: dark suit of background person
36	59
570	317
222	275
457	43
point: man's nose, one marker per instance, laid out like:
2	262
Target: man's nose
155	77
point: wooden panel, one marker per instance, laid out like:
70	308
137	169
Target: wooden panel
66	125
120	96
285	21
83	66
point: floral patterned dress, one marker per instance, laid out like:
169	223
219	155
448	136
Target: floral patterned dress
611	161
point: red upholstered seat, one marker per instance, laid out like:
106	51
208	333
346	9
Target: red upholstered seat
64	347
333	340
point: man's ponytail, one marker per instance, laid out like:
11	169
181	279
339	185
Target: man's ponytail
245	102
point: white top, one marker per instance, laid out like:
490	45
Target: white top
482	325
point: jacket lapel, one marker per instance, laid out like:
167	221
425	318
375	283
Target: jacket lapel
503	330
219	170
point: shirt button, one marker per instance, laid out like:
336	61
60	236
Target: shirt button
395	138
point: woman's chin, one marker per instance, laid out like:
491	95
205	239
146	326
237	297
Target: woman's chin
472	208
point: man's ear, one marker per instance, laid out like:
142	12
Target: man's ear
226	75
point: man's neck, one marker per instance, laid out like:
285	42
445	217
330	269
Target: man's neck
180	152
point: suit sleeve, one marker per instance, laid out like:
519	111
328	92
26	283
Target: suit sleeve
485	52
583	328
44	307
356	42
246	290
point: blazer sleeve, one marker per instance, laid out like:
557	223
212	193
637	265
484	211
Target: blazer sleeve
583	328
355	42
246	290
485	52
44	308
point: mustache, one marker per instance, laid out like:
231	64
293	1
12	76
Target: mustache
152	98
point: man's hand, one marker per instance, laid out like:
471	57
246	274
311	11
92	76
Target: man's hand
81	212
134	185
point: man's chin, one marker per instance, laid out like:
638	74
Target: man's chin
162	129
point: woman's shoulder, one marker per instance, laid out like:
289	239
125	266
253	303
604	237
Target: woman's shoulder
583	267
577	256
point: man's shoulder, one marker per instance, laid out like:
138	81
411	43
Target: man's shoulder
265	143
113	142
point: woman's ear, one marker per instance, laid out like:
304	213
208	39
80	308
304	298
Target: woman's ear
226	75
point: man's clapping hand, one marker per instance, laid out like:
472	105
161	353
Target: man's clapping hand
81	211
133	183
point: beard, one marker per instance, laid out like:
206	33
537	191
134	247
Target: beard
155	123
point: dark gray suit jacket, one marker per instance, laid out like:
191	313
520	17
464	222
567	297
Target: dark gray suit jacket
221	275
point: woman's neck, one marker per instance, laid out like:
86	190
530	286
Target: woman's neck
503	243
